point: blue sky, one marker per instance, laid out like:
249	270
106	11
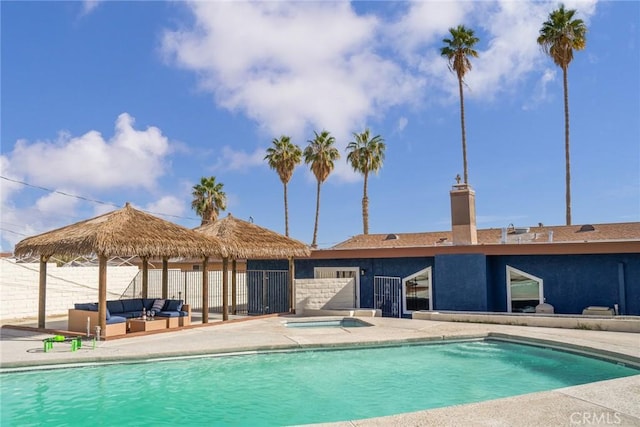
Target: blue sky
135	101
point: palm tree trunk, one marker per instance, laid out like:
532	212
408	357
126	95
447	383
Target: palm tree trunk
365	206
314	243
286	211
566	145
464	133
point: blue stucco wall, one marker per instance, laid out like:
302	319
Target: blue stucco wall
268	264
475	282
573	282
460	282
395	267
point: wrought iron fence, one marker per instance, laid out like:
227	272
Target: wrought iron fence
268	291
387	295
255	292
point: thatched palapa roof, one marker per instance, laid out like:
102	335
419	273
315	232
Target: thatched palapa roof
250	241
124	232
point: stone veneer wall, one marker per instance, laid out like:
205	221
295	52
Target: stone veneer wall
65	286
327	294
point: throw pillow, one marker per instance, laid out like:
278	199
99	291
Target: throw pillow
173	305
157	305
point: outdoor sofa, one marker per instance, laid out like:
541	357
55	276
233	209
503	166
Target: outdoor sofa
118	311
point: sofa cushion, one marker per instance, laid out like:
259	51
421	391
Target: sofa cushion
148	303
115	307
134	304
158	305
172	305
170	314
116	319
130	314
88	306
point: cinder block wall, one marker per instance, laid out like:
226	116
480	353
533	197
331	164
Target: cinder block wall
327	294
65	286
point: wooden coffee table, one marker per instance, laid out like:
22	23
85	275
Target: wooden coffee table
139	325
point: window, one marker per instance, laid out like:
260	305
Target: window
524	291
416	292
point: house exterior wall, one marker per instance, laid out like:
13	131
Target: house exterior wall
396	267
573	282
460	282
477	282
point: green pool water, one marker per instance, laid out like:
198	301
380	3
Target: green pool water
291	388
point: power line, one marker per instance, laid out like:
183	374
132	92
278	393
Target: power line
88	199
10	231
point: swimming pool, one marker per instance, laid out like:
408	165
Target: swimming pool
298	387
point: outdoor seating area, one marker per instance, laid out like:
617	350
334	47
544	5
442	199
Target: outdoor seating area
130	315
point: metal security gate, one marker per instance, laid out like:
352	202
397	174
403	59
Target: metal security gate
187	286
387	295
268	291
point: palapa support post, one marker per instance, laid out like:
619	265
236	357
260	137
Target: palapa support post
165	277
145	277
292	290
234	287
205	291
42	292
102	293
225	288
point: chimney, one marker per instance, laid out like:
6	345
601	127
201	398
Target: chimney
463	215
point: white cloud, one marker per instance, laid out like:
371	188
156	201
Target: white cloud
131	158
540	94
89	6
426	23
296	67
402	123
55	204
293	67
83	165
169	206
231	160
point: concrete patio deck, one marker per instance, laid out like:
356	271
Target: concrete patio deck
614	402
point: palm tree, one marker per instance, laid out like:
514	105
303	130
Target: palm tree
208	199
559	37
283	157
321	154
366	155
457	50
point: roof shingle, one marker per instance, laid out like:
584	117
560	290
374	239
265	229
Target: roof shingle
627	231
